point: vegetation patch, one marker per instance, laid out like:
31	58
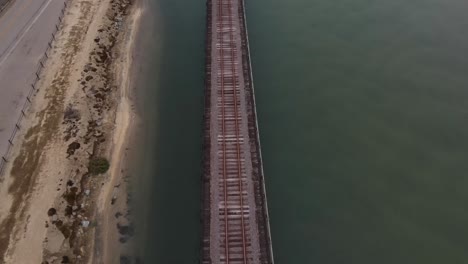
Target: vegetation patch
71	113
98	165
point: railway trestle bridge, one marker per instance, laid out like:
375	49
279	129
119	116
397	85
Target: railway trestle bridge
235	213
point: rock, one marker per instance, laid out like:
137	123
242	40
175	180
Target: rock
98	133
85	223
65	259
51	212
87	192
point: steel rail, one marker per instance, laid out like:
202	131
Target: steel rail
232	47
223	115
239	168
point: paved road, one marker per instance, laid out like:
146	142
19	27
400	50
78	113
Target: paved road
25	30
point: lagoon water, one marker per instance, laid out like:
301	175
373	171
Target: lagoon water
363	121
170	101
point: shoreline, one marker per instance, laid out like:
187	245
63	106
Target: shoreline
51	204
125	123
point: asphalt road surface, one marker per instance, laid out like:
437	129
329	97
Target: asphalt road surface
26	28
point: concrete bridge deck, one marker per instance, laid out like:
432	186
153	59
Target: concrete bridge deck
235	215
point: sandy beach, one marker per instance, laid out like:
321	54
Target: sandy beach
53	204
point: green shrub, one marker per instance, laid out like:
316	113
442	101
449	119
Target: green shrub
98	165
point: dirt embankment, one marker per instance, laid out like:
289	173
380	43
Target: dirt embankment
3	5
48	205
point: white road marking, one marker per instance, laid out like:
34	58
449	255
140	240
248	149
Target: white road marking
11	48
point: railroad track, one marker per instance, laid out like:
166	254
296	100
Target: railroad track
235	227
234	210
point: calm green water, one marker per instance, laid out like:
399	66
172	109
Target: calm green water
364	128
364	124
170	94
